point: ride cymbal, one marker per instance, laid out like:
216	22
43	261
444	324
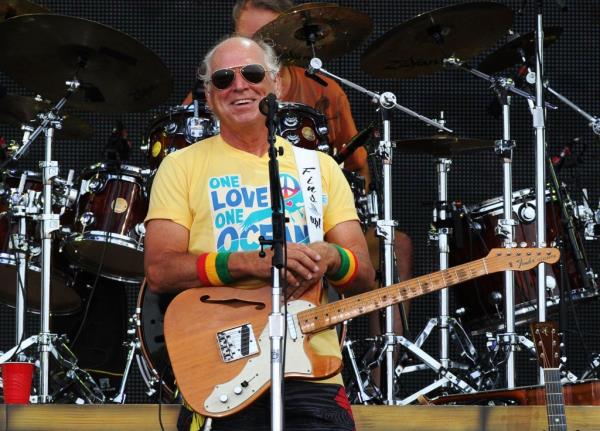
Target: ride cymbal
419	46
442	145
335	31
117	73
17	110
519	49
12	8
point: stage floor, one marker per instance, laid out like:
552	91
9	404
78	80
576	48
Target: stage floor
145	417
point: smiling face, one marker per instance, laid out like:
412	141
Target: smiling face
237	105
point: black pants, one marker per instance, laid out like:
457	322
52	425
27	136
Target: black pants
316	406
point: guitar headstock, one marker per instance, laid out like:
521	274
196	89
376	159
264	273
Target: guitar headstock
547	344
522	259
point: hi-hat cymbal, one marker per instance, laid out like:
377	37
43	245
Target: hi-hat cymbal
12	8
442	145
117	73
513	52
336	30
16	110
419	46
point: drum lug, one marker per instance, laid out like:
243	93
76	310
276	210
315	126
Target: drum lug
86	219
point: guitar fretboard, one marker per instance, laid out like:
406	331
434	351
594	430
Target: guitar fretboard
331	314
555	404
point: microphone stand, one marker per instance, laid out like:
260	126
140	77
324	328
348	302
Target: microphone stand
277	327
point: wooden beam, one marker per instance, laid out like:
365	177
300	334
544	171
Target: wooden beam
144	417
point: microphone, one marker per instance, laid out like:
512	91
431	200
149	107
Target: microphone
357	140
558	161
269	105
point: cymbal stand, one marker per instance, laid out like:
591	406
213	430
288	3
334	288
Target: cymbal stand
506	230
385	230
50	222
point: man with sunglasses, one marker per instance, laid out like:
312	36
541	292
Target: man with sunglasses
250	16
210	203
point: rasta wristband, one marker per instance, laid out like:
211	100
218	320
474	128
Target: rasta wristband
347	270
212	269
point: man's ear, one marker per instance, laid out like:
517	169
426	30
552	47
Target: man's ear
278	85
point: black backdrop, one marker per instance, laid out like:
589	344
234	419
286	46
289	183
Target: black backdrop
181	31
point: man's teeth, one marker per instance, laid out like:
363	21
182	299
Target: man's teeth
242	101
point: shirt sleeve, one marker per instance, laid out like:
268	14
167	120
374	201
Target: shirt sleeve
340	200
168	197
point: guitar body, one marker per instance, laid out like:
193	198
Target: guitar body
219	346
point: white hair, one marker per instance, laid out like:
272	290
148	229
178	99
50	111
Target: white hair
271	60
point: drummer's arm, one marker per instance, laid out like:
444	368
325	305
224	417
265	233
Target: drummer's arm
188	100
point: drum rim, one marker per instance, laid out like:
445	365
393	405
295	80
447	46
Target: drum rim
139	307
121	169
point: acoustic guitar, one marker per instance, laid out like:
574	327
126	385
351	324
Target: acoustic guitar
547	347
218	337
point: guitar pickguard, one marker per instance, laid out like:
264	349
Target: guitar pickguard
257	371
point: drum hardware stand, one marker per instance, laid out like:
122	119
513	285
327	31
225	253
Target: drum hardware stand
506	230
50	222
133	351
385	230
366	391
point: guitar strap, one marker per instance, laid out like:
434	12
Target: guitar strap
309	174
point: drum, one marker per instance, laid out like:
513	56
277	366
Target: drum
150	310
357	185
63	298
108	227
303	126
480	302
177	128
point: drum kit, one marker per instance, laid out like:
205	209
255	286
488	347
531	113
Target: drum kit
51	228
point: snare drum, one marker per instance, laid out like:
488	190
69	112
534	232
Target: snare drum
108	227
303	126
480	302
63	298
150	311
177	128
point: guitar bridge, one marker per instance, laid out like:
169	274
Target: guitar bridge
237	343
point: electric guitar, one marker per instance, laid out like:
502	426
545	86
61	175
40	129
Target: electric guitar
547	347
218	337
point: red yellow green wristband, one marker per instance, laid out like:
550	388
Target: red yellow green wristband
212	269
347	270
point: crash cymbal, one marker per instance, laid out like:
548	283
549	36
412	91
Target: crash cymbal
419	46
513	52
16	110
442	145
12	8
117	73
337	30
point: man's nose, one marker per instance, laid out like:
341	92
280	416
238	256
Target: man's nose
239	83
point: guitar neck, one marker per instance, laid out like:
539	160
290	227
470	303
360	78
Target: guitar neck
555	404
325	316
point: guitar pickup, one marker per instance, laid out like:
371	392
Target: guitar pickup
237	343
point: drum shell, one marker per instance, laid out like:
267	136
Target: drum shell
480	302
174	130
107	230
303	126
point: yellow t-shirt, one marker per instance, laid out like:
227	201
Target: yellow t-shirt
221	195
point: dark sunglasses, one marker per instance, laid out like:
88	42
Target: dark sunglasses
252	73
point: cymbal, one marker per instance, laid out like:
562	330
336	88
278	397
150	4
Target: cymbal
117	73
419	46
16	110
337	30
12	8
510	53
442	145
